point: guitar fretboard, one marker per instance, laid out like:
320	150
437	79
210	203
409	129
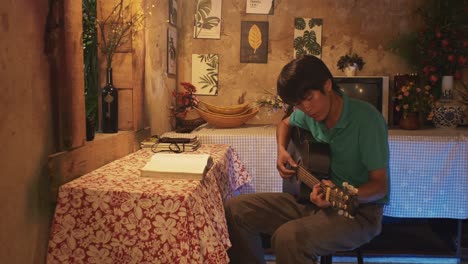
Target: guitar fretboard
310	180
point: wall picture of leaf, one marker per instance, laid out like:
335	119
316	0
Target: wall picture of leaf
207	22
173	12
254	42
264	7
171	50
205	73
307	36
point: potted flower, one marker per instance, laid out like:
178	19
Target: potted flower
349	63
414	103
185	101
438	48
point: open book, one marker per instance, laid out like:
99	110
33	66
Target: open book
170	166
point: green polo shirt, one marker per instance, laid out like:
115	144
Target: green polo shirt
358	142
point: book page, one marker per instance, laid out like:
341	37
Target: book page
178	163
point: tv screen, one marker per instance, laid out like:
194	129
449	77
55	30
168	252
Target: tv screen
372	89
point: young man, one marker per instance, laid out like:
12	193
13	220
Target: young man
357	135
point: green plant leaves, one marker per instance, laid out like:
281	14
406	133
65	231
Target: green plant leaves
307	44
202	19
299	23
210	79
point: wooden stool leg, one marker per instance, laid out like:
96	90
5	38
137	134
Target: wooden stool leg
326	259
359	256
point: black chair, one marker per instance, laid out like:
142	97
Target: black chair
329	258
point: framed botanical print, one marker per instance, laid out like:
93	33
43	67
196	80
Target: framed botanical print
205	73
171	50
173	12
307	36
254	42
207	23
264	7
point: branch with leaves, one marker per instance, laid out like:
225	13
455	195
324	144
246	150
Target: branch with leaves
119	25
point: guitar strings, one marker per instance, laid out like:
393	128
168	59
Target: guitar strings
333	192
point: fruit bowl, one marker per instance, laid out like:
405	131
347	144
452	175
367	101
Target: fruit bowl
226	110
226	121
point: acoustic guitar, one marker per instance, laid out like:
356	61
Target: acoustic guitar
313	158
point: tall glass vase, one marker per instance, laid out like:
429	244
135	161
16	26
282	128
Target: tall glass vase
110	105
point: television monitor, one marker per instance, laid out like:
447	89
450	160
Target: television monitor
372	89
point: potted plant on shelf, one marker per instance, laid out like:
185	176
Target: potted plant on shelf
116	29
90	66
185	102
414	103
349	63
438	48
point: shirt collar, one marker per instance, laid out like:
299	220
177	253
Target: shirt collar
344	117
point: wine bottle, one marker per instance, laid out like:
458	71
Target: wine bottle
109	105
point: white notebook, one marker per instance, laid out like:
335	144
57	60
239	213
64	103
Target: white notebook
173	166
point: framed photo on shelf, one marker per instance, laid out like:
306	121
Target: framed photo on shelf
173	12
263	7
171	51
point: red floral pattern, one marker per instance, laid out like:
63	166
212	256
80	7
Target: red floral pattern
112	215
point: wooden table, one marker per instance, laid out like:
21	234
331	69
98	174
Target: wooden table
112	215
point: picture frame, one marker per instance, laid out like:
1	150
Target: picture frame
171	51
307	36
205	69
262	7
207	22
254	42
173	8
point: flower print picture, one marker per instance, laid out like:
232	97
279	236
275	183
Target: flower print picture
207	24
254	42
307	36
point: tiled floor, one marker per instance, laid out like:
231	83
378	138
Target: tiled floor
391	260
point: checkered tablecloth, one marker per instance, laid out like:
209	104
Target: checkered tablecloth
112	215
256	147
428	168
429	175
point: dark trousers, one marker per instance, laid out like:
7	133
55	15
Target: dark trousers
300	233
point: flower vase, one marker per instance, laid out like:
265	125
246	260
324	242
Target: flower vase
410	121
110	105
350	71
447	88
447	115
188	122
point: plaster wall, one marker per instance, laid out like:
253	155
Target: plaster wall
366	26
25	132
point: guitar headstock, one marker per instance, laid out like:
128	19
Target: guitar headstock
343	199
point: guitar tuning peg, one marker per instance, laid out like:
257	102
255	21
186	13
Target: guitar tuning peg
346	214
351	217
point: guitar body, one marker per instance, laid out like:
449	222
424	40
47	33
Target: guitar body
313	158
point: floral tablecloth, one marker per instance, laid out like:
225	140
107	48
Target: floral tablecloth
112	215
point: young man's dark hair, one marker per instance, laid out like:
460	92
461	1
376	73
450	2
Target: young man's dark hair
300	76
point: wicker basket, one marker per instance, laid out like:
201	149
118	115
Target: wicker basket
226	121
226	110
